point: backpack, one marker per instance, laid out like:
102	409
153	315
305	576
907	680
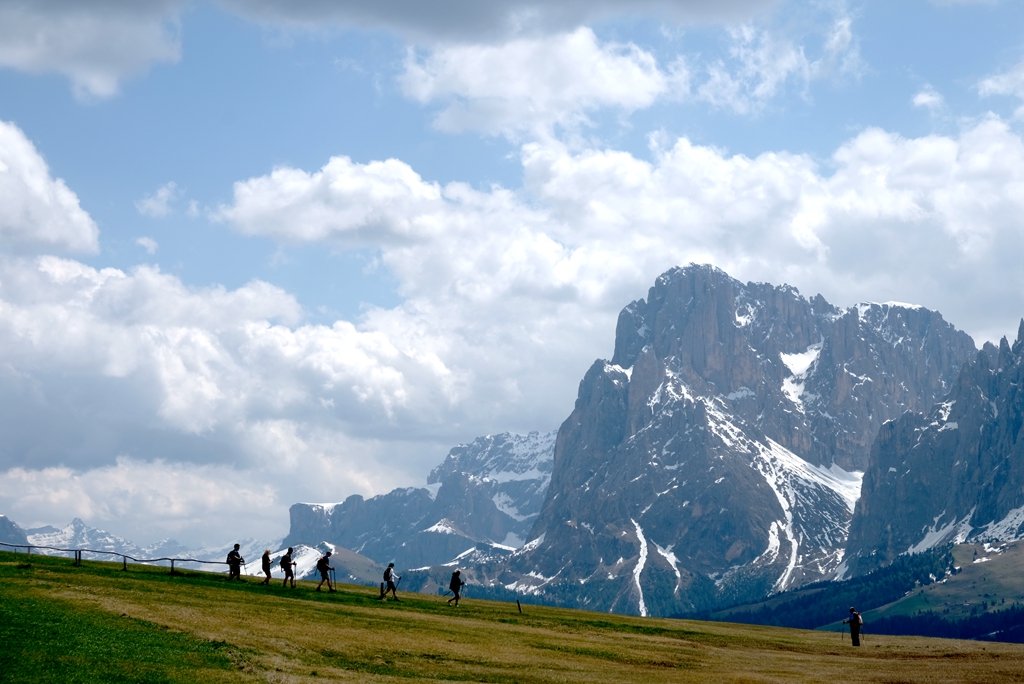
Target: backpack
456	583
387	574
286	561
321	564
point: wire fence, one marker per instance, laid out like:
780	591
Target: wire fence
124	556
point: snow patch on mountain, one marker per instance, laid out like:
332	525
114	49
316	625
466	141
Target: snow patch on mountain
954	531
640	568
1008	528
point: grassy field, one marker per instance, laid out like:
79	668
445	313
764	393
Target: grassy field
995	583
96	623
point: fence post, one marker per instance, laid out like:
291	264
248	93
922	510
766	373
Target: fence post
124	559
172	566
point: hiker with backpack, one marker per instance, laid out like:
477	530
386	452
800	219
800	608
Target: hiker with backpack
390	585
266	566
235	561
288	565
324	566
855	622
456	587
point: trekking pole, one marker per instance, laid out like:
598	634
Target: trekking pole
843	631
334	578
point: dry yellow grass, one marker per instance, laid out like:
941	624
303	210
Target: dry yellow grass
280	635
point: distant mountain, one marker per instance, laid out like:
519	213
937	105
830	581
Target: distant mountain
714	459
952	474
78	535
487	492
10	532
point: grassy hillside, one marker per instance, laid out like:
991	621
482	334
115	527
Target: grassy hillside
97	623
991	579
983	600
824	603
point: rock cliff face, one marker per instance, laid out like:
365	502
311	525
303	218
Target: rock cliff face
487	492
953	474
11	533
714	457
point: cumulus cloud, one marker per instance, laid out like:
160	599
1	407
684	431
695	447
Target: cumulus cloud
158	204
96	44
535	83
38	211
889	217
148	244
1007	83
929	99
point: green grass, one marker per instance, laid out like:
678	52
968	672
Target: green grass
47	639
96	623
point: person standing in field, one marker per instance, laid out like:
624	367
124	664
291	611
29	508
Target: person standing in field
389	578
324	566
855	623
288	565
456	586
235	561
266	566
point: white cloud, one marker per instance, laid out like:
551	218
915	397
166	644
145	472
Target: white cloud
147	501
762	62
36	210
1008	83
148	244
99	43
158	204
929	99
95	44
903	217
535	83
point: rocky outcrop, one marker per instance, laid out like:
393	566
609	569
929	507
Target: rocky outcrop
487	492
953	474
714	457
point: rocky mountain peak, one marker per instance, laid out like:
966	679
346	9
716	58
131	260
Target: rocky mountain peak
713	456
952	473
487	492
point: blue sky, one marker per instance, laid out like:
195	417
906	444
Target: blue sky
307	247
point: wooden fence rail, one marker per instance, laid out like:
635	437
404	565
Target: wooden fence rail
124	557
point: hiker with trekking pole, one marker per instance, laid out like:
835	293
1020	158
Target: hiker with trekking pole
389	584
324	566
235	561
288	565
855	621
455	586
